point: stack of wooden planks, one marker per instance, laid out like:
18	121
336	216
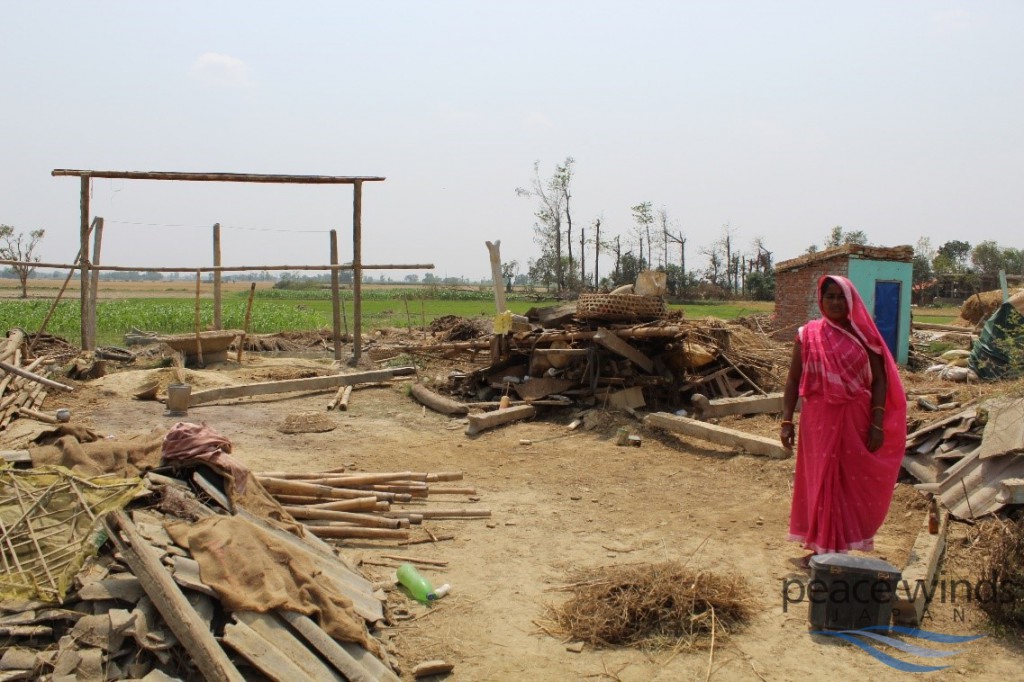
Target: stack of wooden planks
343	505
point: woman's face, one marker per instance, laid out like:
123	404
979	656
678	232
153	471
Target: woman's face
833	302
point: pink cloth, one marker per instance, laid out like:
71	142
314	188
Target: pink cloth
842	491
186	442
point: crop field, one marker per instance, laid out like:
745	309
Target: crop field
168	307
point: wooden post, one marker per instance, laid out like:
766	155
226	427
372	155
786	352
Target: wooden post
88	342
357	271
335	297
217	321
248	319
199	340
94	286
499	282
56	300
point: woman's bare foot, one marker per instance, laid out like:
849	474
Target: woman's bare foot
803	563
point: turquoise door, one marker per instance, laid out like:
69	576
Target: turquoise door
887	312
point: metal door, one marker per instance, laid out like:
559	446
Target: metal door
887	312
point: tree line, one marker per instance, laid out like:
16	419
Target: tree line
576	256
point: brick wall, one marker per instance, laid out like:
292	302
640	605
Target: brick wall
796	296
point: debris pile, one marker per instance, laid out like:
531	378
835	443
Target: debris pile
163	555
971	461
609	352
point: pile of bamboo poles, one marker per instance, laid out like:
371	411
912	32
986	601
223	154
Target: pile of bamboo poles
349	505
23	387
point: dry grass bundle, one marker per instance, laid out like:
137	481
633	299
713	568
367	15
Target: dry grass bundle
654	606
980	306
1003	543
763	359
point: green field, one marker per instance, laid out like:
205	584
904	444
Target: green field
277	310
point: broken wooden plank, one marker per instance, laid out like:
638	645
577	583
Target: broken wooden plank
541	387
437	402
627	399
277	634
724	407
490	420
348	658
756	445
1004	432
1011	491
262	654
124	587
969	413
205	652
292	385
16	456
615	344
916	582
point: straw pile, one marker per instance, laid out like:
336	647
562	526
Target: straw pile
651	606
979	307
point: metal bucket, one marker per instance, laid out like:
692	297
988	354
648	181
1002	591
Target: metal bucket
177	399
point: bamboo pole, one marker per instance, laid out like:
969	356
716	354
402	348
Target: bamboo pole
357	271
199	341
306	513
88	342
441	514
358	532
248	320
12	344
34	377
335	298
217	321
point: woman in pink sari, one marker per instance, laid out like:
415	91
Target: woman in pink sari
852	424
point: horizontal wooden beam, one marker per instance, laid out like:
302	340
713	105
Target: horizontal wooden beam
220	268
292	385
220	177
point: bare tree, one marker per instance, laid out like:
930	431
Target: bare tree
597	253
17	247
550	196
644	219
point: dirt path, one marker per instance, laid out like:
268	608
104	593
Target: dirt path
569	499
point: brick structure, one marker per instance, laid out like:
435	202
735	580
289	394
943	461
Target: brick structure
796	281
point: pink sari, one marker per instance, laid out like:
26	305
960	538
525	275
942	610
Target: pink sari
842	491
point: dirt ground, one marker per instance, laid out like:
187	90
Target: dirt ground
560	500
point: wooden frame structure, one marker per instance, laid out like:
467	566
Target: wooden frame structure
89	313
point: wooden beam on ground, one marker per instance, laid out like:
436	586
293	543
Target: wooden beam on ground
613	343
911	604
490	420
292	385
929	326
723	407
181	618
755	445
438	402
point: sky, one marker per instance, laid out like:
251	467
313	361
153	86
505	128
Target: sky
771	119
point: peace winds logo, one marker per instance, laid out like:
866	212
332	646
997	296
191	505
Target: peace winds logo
867	637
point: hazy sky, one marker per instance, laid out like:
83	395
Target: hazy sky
780	119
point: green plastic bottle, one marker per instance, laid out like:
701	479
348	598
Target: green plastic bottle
418	586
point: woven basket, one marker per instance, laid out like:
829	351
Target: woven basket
619	307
